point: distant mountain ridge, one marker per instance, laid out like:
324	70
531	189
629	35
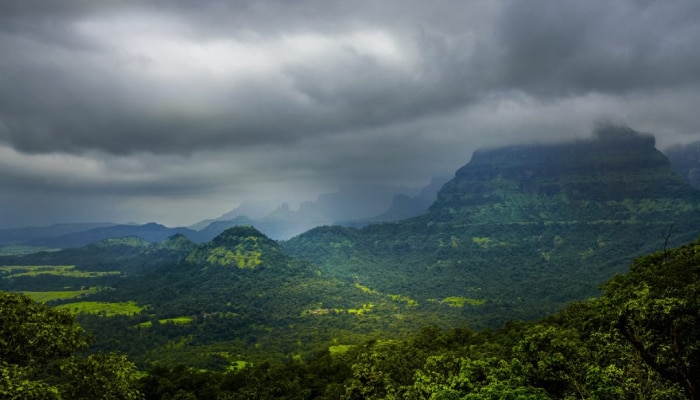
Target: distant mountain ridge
151	232
280	224
21	235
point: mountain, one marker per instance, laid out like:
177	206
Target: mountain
685	158
22	235
618	176
248	210
350	206
275	226
521	230
150	232
403	206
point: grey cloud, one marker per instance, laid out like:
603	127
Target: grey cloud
281	117
75	99
571	47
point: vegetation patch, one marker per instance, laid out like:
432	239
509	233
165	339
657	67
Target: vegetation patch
176	320
365	289
102	308
238	365
20	250
43	297
459	302
15	271
339	350
241	257
366	308
409	301
486	242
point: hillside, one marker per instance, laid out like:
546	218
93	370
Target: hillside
520	231
242	298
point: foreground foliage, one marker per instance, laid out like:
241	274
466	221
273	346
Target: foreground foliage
37	360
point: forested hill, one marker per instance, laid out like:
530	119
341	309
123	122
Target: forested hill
520	231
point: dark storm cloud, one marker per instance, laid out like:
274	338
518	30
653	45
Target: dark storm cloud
569	47
182	98
70	89
71	92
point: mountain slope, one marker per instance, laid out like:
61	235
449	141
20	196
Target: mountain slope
241	297
522	230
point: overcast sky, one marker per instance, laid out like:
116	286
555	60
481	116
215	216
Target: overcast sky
176	111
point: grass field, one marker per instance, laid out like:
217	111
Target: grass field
15	271
175	321
43	297
103	308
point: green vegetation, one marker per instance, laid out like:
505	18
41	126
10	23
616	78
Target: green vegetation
43	297
19	250
176	321
16	271
366	308
485	242
456	301
365	289
409	301
102	308
241	258
37	361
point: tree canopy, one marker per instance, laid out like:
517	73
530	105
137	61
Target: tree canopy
38	361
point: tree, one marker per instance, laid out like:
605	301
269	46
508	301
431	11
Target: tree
657	306
36	361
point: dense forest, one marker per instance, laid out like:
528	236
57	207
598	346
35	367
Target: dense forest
638	340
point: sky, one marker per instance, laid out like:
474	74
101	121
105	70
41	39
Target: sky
177	111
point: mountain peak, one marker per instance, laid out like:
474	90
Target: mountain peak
234	235
620	133
240	246
177	241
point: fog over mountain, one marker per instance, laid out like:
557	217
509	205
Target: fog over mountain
177	112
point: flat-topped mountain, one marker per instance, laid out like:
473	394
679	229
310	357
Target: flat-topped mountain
618	175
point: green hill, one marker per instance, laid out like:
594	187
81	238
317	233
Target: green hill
242	298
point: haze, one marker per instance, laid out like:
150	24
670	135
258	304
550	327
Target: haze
177	111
